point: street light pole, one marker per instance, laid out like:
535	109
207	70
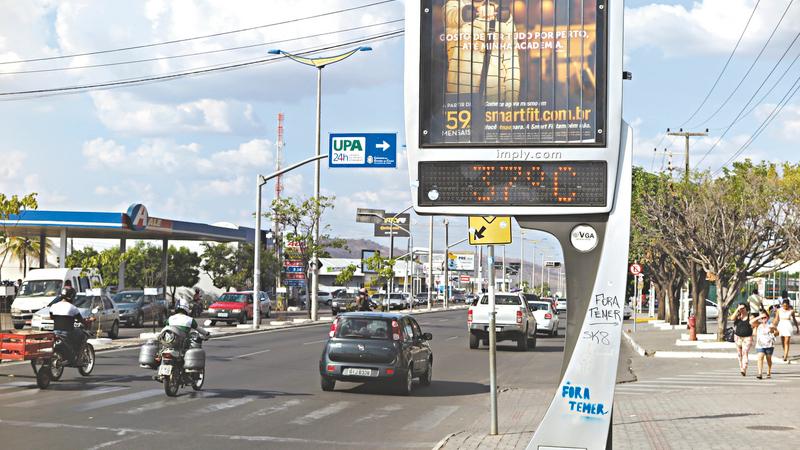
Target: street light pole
446	264
430	263
521	259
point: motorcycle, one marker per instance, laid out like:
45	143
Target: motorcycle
177	357
197	309
65	356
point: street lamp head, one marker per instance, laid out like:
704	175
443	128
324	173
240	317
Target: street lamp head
275	51
365	48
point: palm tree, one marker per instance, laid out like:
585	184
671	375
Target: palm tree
23	248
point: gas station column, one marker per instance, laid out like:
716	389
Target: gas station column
62	252
121	276
164	256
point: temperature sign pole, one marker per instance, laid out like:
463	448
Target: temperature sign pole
514	108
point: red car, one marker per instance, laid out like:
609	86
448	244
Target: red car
237	307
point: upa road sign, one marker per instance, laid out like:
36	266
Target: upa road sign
363	150
636	269
489	230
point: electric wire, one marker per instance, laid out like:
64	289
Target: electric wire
223	33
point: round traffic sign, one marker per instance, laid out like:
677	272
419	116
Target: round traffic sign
636	269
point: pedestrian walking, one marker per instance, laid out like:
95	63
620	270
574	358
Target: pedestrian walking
756	303
743	332
765	333
784	319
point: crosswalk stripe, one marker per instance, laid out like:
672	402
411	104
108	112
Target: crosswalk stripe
14	384
61	396
432	419
221	406
275	408
313	416
22	393
716	381
169	402
117	400
380	413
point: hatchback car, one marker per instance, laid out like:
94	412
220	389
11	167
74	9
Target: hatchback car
385	348
233	307
546	316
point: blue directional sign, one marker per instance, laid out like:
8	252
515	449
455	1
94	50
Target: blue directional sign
295	283
362	150
294	269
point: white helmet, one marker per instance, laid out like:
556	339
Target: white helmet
183	305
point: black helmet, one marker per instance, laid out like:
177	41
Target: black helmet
68	294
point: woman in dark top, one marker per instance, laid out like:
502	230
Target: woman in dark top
743	333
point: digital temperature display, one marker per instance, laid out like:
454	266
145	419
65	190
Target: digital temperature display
524	183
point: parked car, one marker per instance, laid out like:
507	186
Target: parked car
627	311
384	348
233	307
514	321
712	310
561	305
135	308
399	300
324	298
546	317
90	304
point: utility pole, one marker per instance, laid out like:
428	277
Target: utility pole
277	226
687	135
521	258
446	268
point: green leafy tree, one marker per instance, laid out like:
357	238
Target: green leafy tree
107	262
10	206
183	268
218	263
232	266
345	275
143	266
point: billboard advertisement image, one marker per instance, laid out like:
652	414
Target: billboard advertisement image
513	73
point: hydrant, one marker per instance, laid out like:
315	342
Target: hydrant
692	329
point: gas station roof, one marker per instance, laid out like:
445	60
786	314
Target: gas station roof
111	225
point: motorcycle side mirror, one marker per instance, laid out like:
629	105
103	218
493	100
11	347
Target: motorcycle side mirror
95	310
207	323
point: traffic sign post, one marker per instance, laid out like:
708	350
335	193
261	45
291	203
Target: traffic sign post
377	150
495	135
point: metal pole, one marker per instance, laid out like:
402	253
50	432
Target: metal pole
430	263
533	265
257	255
505	288
534	258
315	268
635	306
446	264
521	260
492	347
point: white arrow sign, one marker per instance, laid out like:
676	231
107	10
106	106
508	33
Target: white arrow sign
383	146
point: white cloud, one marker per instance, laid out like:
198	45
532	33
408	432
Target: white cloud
250	156
152	155
126	113
709	27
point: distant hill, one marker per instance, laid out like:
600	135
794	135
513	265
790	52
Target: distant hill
354	247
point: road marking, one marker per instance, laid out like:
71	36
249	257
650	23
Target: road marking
170	402
380	413
117	400
62	395
252	354
331	409
275	408
216	407
315	342
451	338
433	418
725	380
22	393
14	384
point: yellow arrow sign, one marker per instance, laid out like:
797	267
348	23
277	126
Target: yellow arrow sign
489	230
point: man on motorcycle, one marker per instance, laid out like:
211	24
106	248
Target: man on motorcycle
64	315
182	319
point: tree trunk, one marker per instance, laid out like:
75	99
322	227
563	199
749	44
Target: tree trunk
673	296
662	308
722	317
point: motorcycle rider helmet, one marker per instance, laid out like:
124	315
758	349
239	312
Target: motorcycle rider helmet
183	306
68	294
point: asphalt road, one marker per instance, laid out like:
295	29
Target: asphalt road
262	390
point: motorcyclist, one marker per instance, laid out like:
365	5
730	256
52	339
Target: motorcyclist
197	303
182	319
64	315
362	301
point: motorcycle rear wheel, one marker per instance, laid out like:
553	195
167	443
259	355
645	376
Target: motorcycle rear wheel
88	360
171	385
198	382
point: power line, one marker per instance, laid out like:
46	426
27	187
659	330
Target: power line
38	93
725	67
755	61
207	52
750	100
223	33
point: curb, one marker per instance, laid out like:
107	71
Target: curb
636	347
694	355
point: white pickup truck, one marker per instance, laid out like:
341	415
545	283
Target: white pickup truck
514	321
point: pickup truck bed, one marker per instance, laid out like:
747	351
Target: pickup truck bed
513	321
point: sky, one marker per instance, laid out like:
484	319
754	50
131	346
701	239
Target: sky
190	148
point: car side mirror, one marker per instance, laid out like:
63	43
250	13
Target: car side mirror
427	337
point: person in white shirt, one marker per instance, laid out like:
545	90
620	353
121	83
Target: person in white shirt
64	315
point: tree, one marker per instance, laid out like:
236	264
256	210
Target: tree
297	218
345	275
143	267
218	264
23	249
182	268
107	262
230	266
10	206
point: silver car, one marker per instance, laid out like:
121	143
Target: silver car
101	307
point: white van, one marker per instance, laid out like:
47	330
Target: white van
41	287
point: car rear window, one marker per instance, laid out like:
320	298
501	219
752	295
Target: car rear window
236	298
501	300
363	328
541	306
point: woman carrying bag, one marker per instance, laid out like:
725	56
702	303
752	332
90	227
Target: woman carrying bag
743	336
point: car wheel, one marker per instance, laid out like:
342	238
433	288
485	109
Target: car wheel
269	312
113	333
139	321
522	343
532	342
406	384
327	384
427	377
18	326
473	341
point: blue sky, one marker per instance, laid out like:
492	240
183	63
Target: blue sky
190	149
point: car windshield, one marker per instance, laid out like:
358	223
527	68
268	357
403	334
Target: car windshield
531	297
236	298
83	301
540	306
40	288
363	328
501	300
127	297
396	296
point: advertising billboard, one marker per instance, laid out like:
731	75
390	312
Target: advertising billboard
512	73
399	225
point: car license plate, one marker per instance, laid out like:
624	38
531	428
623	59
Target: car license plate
496	328
165	370
222	315
357	372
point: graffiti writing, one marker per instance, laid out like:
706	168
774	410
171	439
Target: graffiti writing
578	399
597	336
605	310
